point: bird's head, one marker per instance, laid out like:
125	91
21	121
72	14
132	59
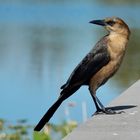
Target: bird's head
113	25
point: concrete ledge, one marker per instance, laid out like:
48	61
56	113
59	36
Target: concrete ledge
114	127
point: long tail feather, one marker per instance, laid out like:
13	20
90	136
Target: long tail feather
65	93
48	114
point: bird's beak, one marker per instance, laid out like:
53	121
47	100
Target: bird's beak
98	22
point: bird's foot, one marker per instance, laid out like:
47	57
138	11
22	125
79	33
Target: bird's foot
107	111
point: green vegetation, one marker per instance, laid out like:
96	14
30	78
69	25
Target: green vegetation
22	131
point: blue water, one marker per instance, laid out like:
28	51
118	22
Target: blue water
40	44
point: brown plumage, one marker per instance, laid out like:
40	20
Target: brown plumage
97	67
116	43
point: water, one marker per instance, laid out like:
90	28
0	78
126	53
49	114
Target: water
40	45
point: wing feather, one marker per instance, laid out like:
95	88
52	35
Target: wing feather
92	62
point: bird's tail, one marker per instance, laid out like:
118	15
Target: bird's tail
48	114
65	93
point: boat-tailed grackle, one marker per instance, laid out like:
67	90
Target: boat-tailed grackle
97	67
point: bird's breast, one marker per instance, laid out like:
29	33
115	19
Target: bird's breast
104	74
116	52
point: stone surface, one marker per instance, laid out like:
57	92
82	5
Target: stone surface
114	127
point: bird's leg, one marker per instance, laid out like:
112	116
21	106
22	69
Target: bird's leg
98	109
99	106
99	102
103	109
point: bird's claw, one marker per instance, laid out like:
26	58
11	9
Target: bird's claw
107	111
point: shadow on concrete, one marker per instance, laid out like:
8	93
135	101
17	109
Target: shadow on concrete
122	107
117	109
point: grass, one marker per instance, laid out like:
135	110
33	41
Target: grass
23	131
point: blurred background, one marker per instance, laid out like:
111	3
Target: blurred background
41	42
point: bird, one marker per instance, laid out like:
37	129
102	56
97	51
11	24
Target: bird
97	67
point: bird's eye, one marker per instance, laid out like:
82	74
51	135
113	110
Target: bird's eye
111	23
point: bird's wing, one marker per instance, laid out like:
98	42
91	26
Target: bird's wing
92	62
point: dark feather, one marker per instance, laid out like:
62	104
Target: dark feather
92	62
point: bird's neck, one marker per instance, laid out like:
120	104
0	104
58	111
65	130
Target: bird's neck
117	45
125	33
118	41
